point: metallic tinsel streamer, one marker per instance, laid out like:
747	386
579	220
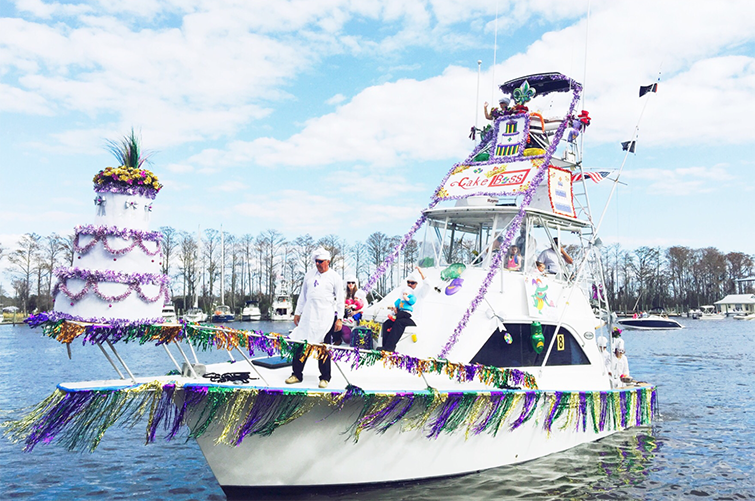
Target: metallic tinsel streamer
529	406
481	403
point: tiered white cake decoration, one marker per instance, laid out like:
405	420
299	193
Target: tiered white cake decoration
116	273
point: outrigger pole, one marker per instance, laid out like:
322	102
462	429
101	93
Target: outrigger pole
626	155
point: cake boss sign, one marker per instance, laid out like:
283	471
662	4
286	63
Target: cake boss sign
493	179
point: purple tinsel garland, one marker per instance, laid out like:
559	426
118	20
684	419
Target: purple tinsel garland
56	316
92	278
100	233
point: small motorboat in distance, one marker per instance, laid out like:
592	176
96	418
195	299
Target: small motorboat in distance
709	313
221	314
195	315
251	312
650	322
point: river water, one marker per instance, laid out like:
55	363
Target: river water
702	446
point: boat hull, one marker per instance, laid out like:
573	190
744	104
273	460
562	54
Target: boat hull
282	318
317	452
649	323
222	319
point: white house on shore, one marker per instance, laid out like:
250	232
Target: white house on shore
735	304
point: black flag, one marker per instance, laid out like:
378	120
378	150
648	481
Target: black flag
644	89
628	145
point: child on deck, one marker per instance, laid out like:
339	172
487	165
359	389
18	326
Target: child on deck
393	329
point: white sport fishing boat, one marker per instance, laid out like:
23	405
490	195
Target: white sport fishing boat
502	367
251	312
282	307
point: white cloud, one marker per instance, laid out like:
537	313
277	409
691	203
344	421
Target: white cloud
682	181
230	186
180	168
295	212
408	120
360	183
15	100
394	122
44	10
337	99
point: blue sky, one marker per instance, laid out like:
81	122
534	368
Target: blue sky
341	117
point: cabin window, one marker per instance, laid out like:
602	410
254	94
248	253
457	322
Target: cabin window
497	352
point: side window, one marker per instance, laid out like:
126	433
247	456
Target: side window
497	351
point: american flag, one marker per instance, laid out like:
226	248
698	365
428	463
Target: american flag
597	176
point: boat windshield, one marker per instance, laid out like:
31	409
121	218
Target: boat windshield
473	236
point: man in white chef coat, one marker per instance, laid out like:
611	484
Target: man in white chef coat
318	315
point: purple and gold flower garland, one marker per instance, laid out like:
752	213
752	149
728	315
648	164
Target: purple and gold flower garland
92	278
100	234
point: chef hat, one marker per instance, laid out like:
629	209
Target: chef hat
352	278
504	99
321	253
619	345
602	342
412	277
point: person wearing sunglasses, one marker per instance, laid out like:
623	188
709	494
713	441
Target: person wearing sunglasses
356	298
393	329
318	315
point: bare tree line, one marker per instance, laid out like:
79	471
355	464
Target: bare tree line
259	266
256	266
676	278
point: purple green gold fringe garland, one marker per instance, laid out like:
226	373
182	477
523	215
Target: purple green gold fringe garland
64	329
78	419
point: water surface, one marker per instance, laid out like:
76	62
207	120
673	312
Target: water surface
701	447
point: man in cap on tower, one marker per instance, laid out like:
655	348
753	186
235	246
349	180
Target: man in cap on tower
318	315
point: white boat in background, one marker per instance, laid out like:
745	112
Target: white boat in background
195	315
745	316
502	367
650	322
282	308
222	314
169	313
251	312
709	313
